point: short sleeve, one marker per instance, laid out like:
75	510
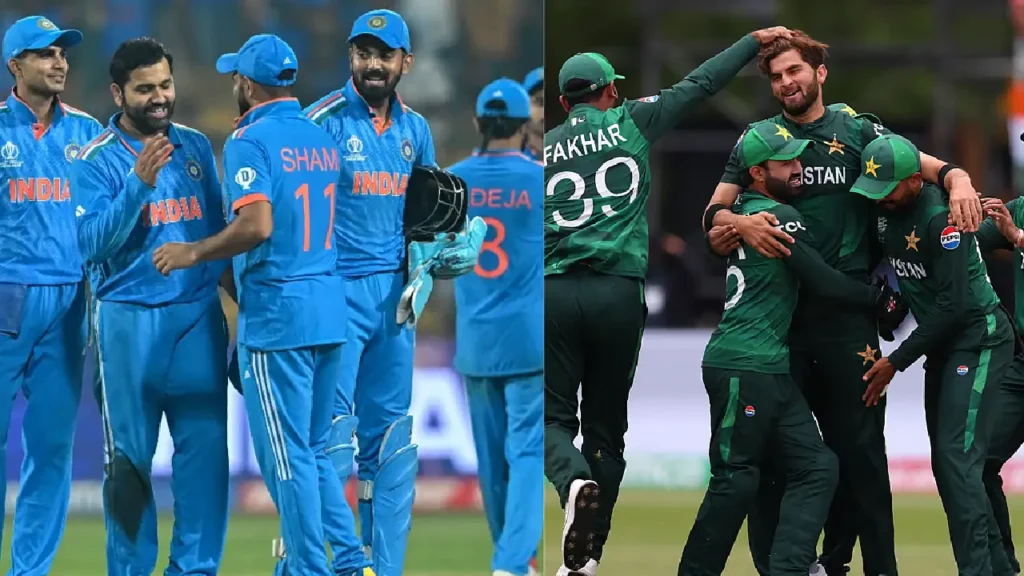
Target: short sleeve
246	173
425	155
734	172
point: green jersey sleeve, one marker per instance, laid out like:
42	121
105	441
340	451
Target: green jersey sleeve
658	115
870	127
951	275
734	172
990	238
812	271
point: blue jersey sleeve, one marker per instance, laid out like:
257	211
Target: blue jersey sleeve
211	189
425	157
246	173
104	219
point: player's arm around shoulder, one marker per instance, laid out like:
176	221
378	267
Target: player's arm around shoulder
327	113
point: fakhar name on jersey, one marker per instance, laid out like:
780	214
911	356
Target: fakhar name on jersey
824	175
583	144
908	269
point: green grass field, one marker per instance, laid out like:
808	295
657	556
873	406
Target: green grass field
650	528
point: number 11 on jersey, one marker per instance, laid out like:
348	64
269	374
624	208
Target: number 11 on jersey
303	193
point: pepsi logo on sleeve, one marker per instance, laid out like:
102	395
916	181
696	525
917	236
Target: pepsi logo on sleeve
950	238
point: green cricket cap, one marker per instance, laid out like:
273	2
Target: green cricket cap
589	66
769	141
886	161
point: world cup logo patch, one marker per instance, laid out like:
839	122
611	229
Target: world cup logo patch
193	170
71	152
407	151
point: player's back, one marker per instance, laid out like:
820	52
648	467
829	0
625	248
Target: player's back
596	180
499	307
761	295
289	293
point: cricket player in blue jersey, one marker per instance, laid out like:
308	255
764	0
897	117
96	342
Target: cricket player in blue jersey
499	323
534	85
160	342
281	180
42	318
380	139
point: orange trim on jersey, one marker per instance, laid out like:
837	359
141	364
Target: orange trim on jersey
380	125
325	104
251	198
38	128
509	153
261	104
1015	99
242	130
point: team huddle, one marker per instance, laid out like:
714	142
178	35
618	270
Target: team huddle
812	202
330	225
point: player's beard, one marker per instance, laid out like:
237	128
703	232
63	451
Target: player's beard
143	122
243	105
376	94
810	97
781	189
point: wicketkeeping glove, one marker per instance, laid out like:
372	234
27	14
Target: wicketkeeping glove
458	255
422	262
891	310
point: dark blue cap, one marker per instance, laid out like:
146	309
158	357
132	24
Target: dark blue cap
507	91
262	59
534	79
36	33
386	26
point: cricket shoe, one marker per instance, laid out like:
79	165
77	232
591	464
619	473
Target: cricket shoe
580	523
589	570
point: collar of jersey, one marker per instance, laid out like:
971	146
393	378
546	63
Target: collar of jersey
825	118
133	144
353	95
23	112
276	107
499	152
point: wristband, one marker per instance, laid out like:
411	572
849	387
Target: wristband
709	216
943	172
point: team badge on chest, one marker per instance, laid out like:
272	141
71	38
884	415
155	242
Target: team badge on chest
193	169
407	150
71	152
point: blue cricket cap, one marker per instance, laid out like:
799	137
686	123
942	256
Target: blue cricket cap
534	79
262	59
36	33
510	93
386	26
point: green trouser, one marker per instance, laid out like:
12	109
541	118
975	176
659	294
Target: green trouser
829	373
961	403
755	417
1007	438
593	325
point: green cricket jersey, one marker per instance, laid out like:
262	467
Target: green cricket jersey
762	295
840	220
989	238
943	279
597	175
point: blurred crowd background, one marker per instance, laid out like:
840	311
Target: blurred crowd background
947	74
460	46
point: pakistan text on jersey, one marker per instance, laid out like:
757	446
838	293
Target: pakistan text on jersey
379	183
824	175
499	198
39	189
309	159
908	269
583	144
170	211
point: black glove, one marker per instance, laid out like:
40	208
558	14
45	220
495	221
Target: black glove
890	309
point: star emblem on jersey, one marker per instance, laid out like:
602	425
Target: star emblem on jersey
407	150
783	132
848	110
868	355
193	170
912	240
71	152
835	145
870	167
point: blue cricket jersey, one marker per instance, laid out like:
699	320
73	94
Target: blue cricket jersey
122	220
376	160
289	293
499	307
38	240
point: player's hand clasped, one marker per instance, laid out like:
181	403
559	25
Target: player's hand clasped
965	209
175	256
878	378
723	240
760	233
156	153
995	209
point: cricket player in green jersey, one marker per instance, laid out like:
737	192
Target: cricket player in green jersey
962	330
597	182
757	411
1002	230
828	358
